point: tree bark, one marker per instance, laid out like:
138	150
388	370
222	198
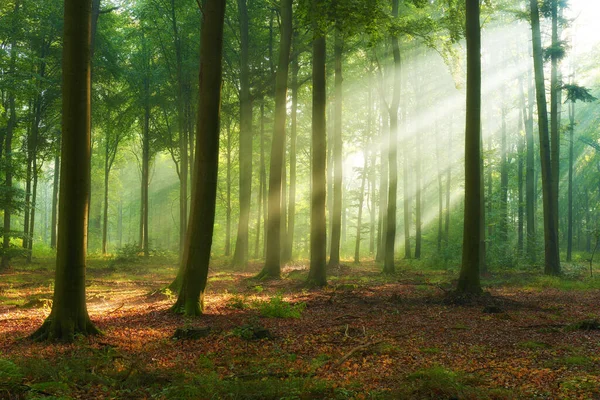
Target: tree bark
272	268
10	127
552	261
69	314
240	256
570	189
388	266
336	217
318	224
55	184
361	200
468	281
199	237
293	139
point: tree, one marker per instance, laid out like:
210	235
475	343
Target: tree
69	314
552	261
468	281
388	266
336	217
318	225
196	256
240	256
272	266
574	93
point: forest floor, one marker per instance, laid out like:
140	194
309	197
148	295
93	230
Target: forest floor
366	335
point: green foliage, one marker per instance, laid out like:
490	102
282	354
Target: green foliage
127	254
237	302
10	375
578	93
276	307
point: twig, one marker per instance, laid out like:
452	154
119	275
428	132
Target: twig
117	309
346	316
354	350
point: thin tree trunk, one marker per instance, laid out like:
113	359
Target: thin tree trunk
33	205
260	224
318	225
570	193
503	225
106	175
361	200
552	261
240	255
554	114
10	126
530	193
383	183
520	167
55	184
272	268
228	199
293	139
336	217
390	240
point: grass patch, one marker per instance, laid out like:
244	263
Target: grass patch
534	345
276	307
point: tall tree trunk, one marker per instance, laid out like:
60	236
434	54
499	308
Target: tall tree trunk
69	314
552	261
390	240
383	183
336	217
293	139
440	233
10	127
468	281
181	125
33	205
120	225
240	256
228	199
262	198
272	266
106	175
448	185
406	192
318	224
55	184
361	200
520	167
570	193
554	114
371	172
530	193
199	236
418	223
503	225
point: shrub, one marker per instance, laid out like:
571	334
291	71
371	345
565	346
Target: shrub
276	307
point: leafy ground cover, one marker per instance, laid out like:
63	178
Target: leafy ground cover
364	336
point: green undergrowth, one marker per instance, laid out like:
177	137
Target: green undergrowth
438	382
274	307
105	373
